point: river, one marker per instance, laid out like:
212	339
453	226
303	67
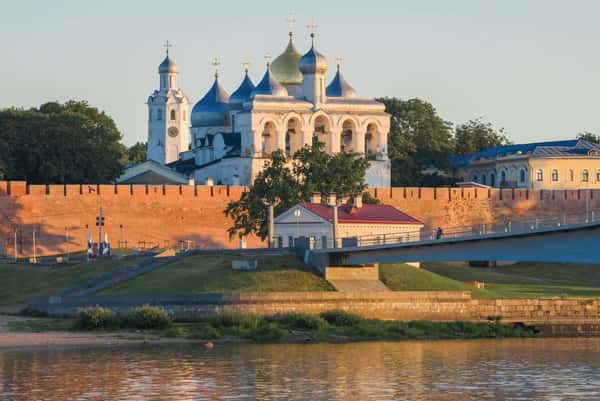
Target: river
512	369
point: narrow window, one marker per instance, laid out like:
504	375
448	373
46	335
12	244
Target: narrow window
493	180
475	177
571	176
585	176
597	175
502	178
172	115
539	175
522	177
554	175
484	179
159	115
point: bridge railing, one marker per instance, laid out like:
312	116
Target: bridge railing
509	225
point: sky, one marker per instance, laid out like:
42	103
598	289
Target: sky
529	66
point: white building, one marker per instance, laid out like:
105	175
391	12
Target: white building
376	224
233	136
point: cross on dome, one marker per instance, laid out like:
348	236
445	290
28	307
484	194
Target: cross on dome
268	59
167	45
338	62
216	63
246	65
312	27
291	20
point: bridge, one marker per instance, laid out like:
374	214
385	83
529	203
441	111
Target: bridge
561	239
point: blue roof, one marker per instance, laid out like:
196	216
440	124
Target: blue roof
565	148
243	92
269	86
339	87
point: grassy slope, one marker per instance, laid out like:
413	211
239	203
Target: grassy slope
525	280
23	281
213	273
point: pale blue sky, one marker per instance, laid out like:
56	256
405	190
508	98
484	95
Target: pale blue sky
532	67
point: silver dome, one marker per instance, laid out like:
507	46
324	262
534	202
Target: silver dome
167	66
313	62
212	109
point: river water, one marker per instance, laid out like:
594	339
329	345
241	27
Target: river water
531	369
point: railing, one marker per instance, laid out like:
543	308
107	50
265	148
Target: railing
473	231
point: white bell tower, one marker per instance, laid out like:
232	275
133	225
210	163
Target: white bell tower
168	113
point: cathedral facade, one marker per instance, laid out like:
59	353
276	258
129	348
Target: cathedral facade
228	138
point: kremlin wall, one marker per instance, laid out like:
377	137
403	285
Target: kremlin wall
163	216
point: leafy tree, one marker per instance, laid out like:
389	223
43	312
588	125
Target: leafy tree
311	170
418	139
136	153
60	143
475	135
589	136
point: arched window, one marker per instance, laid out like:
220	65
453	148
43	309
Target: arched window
320	132
585	176
371	138
172	115
159	114
539	175
475	177
502	178
554	175
597	175
571	176
522	176
492	180
288	144
268	139
484	179
347	136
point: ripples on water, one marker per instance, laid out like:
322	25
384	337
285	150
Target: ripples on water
564	369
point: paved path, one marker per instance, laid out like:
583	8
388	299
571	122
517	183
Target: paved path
356	285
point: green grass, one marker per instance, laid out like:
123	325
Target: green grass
525	280
401	277
213	273
21	282
40	325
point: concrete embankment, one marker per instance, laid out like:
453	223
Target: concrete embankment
393	305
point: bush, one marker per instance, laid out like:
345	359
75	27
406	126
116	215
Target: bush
94	318
267	332
230	319
207	332
304	321
147	317
341	318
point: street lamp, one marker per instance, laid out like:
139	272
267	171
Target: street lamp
297	213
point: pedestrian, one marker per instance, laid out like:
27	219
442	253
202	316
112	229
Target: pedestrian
438	233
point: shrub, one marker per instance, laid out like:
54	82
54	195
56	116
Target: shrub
147	317
341	318
229	319
304	321
94	318
207	332
267	332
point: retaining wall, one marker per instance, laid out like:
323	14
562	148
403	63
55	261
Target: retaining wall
414	305
164	215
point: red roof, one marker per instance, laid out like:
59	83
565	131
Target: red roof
367	214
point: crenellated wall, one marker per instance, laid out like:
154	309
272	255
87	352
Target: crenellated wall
165	215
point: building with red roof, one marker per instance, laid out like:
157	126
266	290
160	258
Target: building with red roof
315	220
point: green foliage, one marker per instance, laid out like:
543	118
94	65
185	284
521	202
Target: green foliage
419	139
268	332
304	321
206	332
135	153
589	136
230	319
312	170
341	318
147	317
59	143
94	318
475	135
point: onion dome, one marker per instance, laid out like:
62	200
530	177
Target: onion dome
243	92
313	62
167	66
268	85
339	87
285	66
211	110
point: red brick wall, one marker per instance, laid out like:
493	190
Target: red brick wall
164	215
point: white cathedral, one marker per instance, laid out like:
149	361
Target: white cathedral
228	138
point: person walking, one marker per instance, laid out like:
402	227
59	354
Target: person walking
438	233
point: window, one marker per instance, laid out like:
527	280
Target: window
484	179
159	114
475	177
493	180
502	178
172	115
522	176
539	175
554	175
290	241
597	175
571	176
585	176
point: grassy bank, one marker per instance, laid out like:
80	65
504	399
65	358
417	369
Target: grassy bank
22	281
332	326
213	273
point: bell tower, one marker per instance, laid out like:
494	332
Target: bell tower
168	112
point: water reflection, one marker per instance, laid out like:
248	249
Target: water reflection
547	369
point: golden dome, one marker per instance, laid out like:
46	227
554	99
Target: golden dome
285	67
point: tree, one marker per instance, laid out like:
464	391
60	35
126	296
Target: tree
60	143
475	135
589	136
136	153
311	170
418	139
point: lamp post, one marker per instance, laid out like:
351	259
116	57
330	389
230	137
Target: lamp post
297	214
270	218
